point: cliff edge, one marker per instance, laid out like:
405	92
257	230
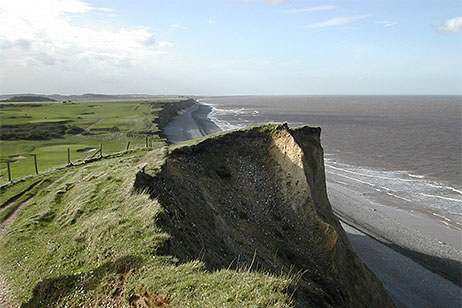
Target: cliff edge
256	198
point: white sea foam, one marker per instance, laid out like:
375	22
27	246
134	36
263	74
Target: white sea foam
402	187
441	197
399	197
412	192
446	187
218	115
416	176
441	216
372	176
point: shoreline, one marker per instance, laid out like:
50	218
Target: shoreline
191	123
429	252
370	226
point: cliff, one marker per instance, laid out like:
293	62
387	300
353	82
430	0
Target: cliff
169	111
256	199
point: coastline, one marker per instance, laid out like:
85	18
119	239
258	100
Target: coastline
373	235
191	123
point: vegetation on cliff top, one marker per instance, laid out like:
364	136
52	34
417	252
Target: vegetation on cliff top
84	237
232	220
48	130
258	195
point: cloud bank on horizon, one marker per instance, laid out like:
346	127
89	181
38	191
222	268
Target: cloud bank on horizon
231	47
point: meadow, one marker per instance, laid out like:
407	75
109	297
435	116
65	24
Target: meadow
80	236
49	129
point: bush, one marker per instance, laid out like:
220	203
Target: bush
37	131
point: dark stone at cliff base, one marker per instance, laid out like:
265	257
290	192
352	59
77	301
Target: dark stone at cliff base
263	202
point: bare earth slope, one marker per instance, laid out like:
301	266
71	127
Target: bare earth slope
257	198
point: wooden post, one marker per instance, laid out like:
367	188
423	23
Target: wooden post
146	143
9	170
128	146
68	156
35	163
101	149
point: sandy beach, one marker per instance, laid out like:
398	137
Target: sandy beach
191	124
416	269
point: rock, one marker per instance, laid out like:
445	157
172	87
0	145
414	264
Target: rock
263	202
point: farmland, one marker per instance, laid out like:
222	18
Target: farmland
49	129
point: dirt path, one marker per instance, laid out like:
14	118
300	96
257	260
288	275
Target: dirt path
87	129
6	297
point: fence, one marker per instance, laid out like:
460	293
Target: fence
96	155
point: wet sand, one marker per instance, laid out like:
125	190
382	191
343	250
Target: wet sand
417	270
408	283
191	124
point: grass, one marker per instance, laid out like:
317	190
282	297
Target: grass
9	192
87	239
112	123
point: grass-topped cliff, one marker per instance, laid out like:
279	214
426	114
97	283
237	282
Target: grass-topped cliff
239	219
85	237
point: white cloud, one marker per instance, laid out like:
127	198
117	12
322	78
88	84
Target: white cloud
38	35
272	2
54	46
211	22
452	25
165	44
311	9
387	23
106	9
336	21
276	2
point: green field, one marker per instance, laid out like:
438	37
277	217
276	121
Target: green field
86	239
49	129
83	237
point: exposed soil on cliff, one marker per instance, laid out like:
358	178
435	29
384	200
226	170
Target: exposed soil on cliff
256	199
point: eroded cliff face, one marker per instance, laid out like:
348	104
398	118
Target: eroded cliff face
257	197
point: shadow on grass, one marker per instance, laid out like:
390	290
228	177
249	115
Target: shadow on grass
49	292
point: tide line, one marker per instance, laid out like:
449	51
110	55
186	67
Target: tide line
438	215
354	179
440	197
373	176
399	197
446	187
377	188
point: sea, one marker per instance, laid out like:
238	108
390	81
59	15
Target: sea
402	151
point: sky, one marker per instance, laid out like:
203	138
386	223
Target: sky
231	47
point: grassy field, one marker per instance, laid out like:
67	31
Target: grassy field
49	129
86	239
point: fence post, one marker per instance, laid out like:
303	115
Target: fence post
35	163
101	150
128	146
9	170
146	142
68	156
